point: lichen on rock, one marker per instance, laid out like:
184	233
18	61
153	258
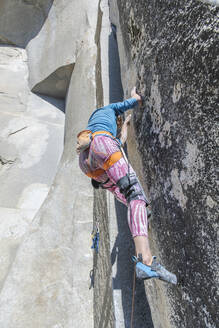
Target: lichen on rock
172	48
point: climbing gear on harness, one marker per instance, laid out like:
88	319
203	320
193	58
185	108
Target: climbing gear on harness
83	140
126	187
97	184
91	275
95	240
155	270
115	157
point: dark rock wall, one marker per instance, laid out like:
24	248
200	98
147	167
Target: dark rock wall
174	46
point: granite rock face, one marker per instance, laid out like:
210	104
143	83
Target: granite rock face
57	45
30	127
170	48
31	143
68	50
45	227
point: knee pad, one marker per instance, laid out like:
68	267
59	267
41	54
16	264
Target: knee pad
126	187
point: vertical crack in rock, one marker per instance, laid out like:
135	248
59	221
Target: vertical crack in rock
99	85
103	305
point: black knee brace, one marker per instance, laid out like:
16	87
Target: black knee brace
126	187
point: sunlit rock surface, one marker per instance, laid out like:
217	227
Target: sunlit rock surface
54	50
45	227
31	126
22	20
31	143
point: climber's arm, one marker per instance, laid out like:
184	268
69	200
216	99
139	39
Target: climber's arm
121	107
124	130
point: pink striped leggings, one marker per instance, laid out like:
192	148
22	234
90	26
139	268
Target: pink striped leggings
99	151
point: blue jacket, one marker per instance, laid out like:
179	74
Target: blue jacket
104	118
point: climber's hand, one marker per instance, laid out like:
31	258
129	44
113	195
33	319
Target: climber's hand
136	96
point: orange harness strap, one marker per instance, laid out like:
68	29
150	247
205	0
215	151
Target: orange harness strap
115	157
102	132
95	174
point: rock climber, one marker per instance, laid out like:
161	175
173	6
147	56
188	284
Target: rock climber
101	159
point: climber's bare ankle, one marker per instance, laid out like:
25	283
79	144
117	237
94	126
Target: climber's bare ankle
142	247
148	260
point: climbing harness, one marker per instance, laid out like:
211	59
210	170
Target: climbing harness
124	183
105	133
115	157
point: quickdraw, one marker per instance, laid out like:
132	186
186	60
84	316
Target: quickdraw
95	240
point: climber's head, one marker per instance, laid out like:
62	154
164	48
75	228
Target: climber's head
83	140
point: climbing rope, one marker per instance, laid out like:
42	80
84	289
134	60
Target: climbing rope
134	274
133	299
